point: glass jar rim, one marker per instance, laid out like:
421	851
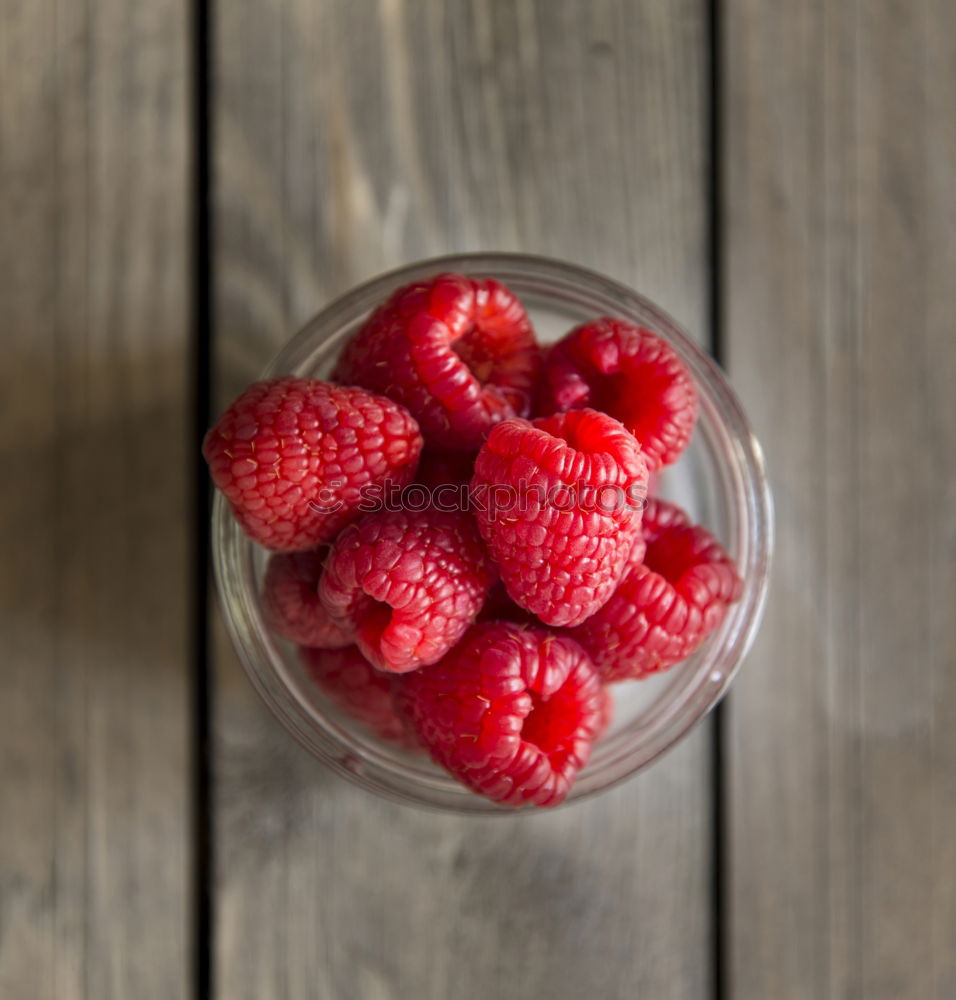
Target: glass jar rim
726	424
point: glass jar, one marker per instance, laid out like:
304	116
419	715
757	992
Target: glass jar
719	480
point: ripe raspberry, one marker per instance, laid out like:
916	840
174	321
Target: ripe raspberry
605	714
665	608
459	352
630	373
637	553
290	594
510	712
559	502
660	516
292	456
353	685
407	585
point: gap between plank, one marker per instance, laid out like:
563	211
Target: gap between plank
202	832
715	221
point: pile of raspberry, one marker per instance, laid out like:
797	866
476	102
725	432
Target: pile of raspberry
464	547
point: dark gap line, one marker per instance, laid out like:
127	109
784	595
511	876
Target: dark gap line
715	232
715	222
203	841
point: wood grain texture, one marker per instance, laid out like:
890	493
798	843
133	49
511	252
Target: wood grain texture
353	136
94	886
841	243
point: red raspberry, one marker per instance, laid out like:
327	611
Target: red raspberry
664	609
458	352
407	585
290	594
510	712
637	553
630	373
660	516
353	685
605	715
292	456
559	501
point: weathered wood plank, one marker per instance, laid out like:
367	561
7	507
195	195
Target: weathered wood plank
353	136
841	211
94	886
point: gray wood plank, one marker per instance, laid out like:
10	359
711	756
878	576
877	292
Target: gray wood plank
94	886
353	136
841	204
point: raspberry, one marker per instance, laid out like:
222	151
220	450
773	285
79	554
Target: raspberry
637	553
665	608
510	712
407	585
661	516
458	352
292	456
605	714
353	685
630	373
559	502
290	594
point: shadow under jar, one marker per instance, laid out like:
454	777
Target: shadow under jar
719	480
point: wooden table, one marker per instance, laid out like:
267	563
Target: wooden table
781	176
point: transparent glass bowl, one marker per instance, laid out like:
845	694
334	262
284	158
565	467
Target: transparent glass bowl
719	480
